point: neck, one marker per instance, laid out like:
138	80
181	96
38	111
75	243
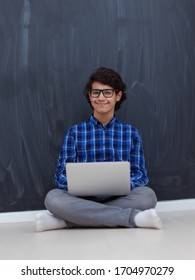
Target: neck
103	119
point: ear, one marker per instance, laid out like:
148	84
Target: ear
119	95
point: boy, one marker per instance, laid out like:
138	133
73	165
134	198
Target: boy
101	138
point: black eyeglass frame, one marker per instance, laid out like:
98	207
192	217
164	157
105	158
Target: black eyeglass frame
103	92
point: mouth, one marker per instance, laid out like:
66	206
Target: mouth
102	104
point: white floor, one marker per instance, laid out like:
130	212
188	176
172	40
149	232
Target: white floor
176	241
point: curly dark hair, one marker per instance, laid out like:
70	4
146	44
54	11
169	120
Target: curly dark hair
109	77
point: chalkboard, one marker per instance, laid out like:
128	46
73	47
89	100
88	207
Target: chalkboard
47	51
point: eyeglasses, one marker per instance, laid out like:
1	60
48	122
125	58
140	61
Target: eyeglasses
108	93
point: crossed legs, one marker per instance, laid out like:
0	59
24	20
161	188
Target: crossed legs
134	210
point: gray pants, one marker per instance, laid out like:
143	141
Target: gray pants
97	212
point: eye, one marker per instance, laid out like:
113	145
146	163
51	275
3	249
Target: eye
94	91
108	92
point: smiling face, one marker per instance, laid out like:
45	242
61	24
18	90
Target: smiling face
104	107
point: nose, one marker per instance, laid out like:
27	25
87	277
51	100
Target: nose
101	96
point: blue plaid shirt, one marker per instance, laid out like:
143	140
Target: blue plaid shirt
90	141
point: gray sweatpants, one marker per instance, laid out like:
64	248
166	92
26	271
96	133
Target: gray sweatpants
98	212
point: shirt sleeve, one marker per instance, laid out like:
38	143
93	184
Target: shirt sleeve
138	170
67	154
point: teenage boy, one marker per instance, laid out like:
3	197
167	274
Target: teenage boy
101	138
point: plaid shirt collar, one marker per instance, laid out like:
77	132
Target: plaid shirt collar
96	123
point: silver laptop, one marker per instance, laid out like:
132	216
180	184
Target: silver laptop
98	178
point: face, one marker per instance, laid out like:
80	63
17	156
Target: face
104	106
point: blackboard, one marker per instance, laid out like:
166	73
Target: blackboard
47	51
